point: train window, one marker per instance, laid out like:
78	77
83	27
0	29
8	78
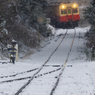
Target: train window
69	11
75	10
63	11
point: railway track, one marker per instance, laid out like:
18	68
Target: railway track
32	77
60	67
27	71
37	76
17	79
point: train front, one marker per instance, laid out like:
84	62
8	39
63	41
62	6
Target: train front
69	13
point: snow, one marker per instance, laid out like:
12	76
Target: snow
77	78
79	82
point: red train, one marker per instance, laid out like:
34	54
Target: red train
65	15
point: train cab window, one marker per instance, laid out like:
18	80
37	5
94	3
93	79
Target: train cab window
69	11
63	11
75	10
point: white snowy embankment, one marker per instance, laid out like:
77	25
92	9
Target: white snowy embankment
78	77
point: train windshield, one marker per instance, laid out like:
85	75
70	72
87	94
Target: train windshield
63	11
69	11
75	10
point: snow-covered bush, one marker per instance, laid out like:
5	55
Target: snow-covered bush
89	14
30	11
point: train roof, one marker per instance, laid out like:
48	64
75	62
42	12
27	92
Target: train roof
59	3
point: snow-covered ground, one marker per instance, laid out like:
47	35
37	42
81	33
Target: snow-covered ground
78	77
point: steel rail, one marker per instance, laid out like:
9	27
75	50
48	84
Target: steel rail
63	66
19	73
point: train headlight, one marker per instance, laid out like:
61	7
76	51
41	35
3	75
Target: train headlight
63	6
74	5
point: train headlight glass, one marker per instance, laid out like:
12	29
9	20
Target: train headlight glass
74	5
63	6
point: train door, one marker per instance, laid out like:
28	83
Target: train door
63	16
69	14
